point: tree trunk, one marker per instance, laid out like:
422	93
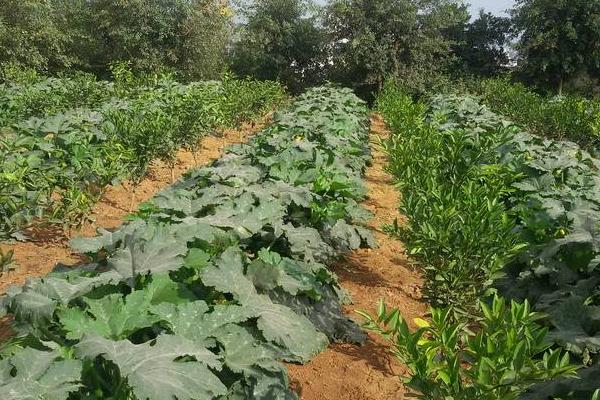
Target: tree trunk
560	86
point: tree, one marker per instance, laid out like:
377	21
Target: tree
185	36
482	45
205	35
280	40
31	36
372	40
144	33
560	40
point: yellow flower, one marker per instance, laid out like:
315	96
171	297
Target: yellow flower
421	323
226	12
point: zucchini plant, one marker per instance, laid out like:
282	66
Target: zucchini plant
57	159
220	277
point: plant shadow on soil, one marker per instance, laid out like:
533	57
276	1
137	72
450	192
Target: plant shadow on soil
351	372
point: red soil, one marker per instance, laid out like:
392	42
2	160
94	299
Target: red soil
368	372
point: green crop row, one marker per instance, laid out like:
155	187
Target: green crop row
492	209
57	161
568	117
211	283
38	96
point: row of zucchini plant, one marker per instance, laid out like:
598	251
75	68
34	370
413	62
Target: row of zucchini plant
214	281
62	140
494	212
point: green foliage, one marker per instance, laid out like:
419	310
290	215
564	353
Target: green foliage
452	186
280	40
180	35
56	159
220	278
25	94
582	387
481	47
32	34
7	261
548	193
497	357
568	117
406	40
245	99
158	370
558	39
147	30
189	37
34	374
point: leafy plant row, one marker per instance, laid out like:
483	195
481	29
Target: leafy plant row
568	117
212	282
56	165
494	209
27	94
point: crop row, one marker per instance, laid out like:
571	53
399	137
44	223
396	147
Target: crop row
570	117
493	209
211	283
57	160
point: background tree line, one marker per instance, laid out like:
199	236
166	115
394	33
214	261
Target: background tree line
552	44
188	37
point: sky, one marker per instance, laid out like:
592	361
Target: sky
494	6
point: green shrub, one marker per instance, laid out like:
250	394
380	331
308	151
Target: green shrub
462	170
497	357
568	117
247	98
31	95
452	186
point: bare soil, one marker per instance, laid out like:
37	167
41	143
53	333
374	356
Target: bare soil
368	372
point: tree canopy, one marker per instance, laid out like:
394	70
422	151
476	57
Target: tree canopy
372	40
560	39
357	43
281	41
187	36
482	45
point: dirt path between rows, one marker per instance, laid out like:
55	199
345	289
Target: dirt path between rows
368	372
50	246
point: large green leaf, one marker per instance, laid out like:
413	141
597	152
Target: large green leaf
39	375
115	317
264	378
161	253
269	271
155	371
38	299
306	243
228	276
109	316
106	239
194	321
277	323
577	326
